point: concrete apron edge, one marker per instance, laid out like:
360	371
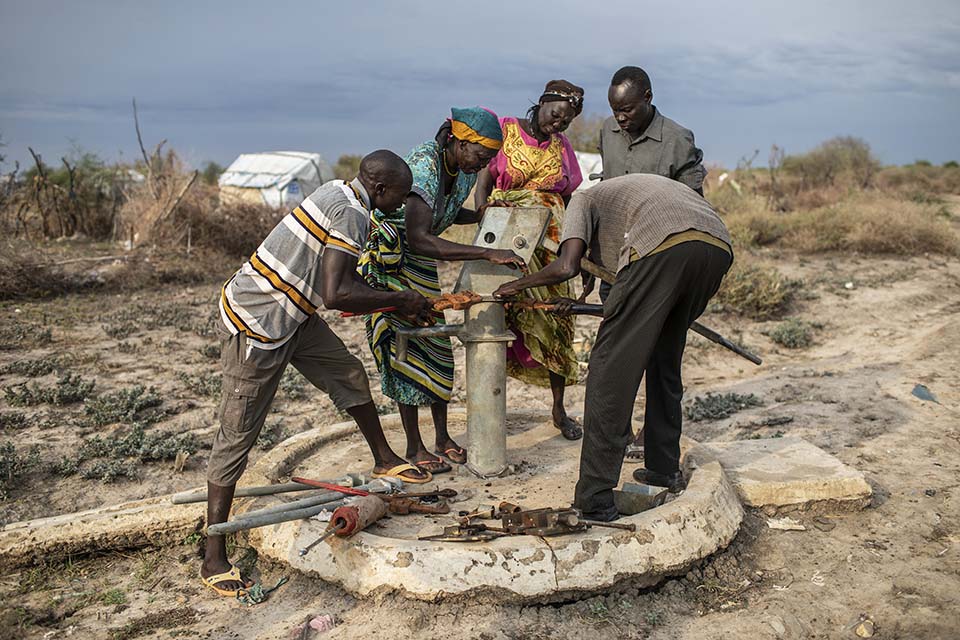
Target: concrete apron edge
669	539
153	521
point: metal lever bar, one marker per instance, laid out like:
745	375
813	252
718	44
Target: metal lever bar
706	332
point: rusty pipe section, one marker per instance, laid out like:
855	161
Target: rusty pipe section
405	333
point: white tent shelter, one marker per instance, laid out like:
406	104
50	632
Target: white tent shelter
276	178
589	163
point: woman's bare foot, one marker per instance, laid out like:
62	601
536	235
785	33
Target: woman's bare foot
567	425
452	451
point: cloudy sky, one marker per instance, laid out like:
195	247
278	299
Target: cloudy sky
219	78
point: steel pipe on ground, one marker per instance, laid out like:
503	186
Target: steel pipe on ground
377	486
200	495
244	523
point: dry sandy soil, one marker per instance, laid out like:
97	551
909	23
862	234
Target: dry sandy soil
887	325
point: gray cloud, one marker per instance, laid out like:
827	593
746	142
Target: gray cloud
219	78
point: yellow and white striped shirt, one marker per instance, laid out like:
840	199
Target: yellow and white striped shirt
278	288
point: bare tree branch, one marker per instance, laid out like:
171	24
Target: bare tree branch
143	152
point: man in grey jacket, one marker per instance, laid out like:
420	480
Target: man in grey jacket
640	139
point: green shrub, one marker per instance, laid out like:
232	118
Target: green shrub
19	335
124	405
271	435
793	333
12	420
14	465
211	351
716	406
33	368
113	457
70	388
841	159
139	445
108	471
206	385
293	384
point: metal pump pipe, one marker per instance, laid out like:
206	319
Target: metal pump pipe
485	336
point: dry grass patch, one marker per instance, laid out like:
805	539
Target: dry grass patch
873	223
869	222
756	291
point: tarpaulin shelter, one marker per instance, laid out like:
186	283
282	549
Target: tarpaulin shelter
275	178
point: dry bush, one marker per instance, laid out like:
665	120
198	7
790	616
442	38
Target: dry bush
840	160
236	229
584	132
150	213
32	272
26	272
873	223
916	181
80	197
747	216
347	167
756	291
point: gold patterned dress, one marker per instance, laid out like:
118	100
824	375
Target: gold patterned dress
527	172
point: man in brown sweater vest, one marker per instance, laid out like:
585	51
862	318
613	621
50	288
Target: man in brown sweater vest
670	251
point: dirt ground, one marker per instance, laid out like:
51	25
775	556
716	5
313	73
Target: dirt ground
886	325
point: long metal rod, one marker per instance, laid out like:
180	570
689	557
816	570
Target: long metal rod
303	503
242	524
200	495
706	332
375	487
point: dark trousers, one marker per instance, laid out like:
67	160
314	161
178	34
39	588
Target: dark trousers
646	316
604	291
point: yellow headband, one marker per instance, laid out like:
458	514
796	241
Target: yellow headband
463	131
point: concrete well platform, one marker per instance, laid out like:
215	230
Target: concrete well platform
388	557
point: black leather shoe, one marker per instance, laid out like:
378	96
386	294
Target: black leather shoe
674	482
603	515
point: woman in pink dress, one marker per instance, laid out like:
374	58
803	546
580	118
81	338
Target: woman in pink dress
537	166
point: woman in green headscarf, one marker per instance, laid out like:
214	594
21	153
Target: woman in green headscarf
402	253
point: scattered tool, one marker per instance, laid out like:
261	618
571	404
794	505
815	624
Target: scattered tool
517	522
625	526
326	534
467	533
398	503
404	506
484	512
543	522
347	520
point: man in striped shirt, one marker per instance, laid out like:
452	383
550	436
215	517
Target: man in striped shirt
268	309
